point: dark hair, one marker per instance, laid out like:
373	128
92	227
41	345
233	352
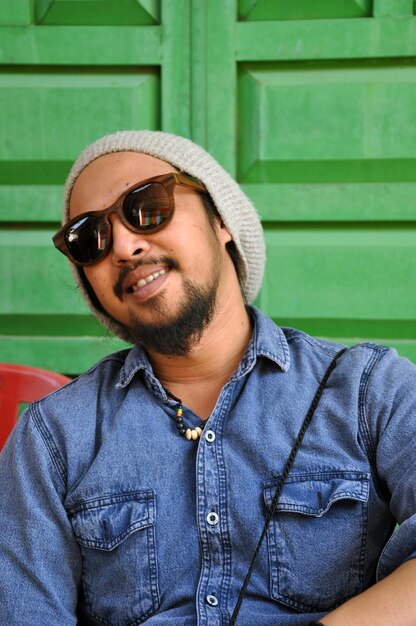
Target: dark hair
213	216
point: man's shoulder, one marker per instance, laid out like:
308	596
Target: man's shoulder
97	385
301	340
365	359
72	417
106	370
298	346
110	365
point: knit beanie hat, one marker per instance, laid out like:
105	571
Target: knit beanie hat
236	210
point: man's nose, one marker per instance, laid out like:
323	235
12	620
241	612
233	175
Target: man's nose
126	243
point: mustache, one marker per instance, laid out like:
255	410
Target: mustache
168	261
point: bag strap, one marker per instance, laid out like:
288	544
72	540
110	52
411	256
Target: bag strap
282	480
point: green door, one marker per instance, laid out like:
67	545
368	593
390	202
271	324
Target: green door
309	104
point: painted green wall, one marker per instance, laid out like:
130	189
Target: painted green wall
311	105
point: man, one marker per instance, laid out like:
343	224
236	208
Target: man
138	493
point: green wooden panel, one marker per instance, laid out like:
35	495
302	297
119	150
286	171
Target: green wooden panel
386	8
366	202
345	123
36	279
16	13
31	203
97	12
326	39
68	355
369	271
43	319
199	75
52	323
214	79
344	281
82	45
176	74
303	9
41	109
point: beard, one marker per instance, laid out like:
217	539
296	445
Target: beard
182	332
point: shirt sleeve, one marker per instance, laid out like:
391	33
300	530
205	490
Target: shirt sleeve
391	415
40	559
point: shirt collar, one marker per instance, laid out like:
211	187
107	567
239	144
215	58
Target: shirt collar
136	360
268	341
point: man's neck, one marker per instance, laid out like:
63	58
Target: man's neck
198	377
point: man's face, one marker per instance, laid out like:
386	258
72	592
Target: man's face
162	286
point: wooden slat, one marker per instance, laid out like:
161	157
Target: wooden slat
326	39
31	203
364	202
16	12
220	82
97	12
198	74
68	355
303	9
82	45
176	81
387	8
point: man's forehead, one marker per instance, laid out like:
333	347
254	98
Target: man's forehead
108	176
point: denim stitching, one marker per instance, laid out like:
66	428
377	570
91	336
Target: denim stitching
49	442
363	424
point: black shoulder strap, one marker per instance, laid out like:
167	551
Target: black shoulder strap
282	480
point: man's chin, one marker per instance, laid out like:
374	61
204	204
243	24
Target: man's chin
174	333
163	338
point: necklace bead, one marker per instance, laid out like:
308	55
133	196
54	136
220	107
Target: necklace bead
191	434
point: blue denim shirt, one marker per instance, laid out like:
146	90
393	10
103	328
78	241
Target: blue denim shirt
108	516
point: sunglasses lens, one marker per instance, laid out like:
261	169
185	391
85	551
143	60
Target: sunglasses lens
147	207
144	209
87	239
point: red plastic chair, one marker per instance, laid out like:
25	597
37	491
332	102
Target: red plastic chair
21	383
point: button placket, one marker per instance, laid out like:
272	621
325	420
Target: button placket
213	528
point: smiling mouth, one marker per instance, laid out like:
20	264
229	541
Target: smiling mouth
142	282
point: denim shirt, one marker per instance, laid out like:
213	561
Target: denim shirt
108	516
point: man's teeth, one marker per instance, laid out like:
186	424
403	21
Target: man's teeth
145	281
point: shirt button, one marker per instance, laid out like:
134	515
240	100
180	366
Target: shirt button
210	436
212	600
212	518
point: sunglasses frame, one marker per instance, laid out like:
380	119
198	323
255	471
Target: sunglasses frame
168	182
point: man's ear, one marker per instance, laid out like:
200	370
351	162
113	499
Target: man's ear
224	233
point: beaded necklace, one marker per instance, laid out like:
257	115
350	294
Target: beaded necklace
191	434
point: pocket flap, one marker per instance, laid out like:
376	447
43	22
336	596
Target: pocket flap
314	493
105	522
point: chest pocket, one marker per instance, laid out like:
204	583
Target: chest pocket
316	539
116	536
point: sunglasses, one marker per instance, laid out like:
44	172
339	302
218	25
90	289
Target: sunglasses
145	208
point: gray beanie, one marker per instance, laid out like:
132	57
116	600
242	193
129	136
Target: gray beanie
235	209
